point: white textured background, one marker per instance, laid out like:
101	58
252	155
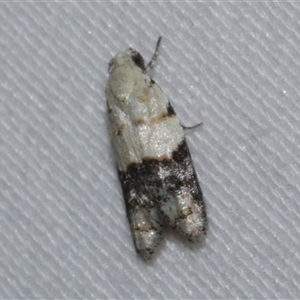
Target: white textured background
233	66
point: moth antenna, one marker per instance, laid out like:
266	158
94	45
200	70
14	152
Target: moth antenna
151	63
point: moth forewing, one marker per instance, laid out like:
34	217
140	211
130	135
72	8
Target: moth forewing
158	179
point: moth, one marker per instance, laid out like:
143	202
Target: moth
158	179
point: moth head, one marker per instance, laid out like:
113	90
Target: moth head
130	57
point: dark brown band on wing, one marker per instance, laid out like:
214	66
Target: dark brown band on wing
169	113
161	178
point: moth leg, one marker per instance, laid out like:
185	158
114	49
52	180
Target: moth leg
191	127
151	63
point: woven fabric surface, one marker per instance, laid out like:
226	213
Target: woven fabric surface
233	66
